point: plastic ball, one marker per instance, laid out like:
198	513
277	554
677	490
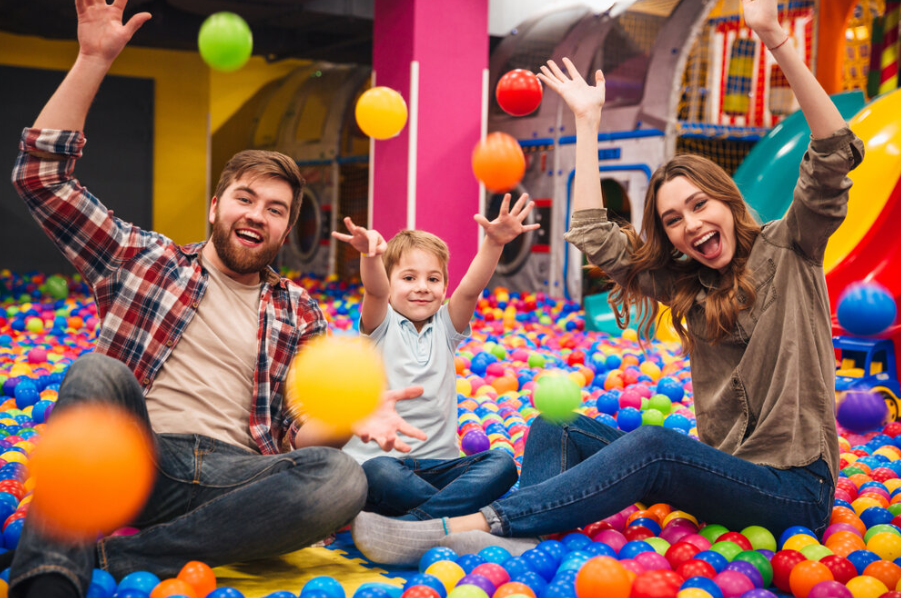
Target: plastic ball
557	397
474	441
603	577
319	386
142	581
102	452
829	589
860	411
806	575
200	576
381	112
518	92
498	162
225	41
866	308
865	586
173	587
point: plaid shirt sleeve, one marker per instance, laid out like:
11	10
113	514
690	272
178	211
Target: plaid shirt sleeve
88	234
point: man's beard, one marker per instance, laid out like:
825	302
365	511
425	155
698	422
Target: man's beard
237	258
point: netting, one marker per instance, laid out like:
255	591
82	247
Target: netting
859	44
353	201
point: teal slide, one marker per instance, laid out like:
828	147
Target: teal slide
767	176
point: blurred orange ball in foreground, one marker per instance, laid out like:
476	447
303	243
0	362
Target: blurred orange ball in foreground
94	470
498	162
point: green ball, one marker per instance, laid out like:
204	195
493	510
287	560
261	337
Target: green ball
57	287
536	360
815	552
895	509
489	346
851	470
760	562
727	548
544	320
467	591
661	403
713	531
652	417
760	537
556	396
466	355
225	41
658	544
499	351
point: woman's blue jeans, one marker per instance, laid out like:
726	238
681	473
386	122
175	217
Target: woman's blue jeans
579	473
417	489
211	502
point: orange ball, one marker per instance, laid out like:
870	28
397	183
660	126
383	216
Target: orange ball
512	588
603	577
885	571
807	574
498	162
94	470
504	384
174	587
200	576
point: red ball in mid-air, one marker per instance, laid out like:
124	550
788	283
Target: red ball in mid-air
518	92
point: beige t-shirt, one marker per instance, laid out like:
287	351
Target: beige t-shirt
206	384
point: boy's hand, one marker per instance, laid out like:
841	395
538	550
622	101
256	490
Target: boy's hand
583	99
367	242
101	33
384	424
763	17
509	223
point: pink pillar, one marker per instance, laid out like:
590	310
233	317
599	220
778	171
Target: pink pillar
434	54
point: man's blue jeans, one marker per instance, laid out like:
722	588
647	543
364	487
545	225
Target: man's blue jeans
212	501
417	489
575	474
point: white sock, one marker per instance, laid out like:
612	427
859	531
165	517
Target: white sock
395	542
474	541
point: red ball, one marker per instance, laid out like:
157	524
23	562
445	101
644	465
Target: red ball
783	562
696	568
420	591
637	532
518	92
842	569
656	584
679	553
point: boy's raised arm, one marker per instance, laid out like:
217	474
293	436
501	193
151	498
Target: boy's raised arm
507	226
371	246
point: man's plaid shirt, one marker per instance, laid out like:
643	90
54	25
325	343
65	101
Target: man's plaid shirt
147	288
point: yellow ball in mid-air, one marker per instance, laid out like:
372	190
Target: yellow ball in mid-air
337	381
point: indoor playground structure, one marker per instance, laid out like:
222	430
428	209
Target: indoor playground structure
682	76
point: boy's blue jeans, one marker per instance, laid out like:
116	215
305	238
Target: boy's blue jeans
576	474
417	489
212	501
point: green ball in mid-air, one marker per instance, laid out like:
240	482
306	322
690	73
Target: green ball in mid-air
556	396
225	41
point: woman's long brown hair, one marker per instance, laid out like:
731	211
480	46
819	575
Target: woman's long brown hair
736	289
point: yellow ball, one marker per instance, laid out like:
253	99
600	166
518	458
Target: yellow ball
630	334
799	541
693	593
381	112
886	544
464	387
337	381
448	572
864	586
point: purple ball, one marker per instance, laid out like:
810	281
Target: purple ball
750	571
761	593
475	441
479	581
830	589
733	583
861	411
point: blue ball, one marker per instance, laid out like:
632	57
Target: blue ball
433	555
875	516
535	581
628	419
225	593
103	585
281	594
326	584
468	562
143	581
132	593
575	541
794	531
866	309
574	561
671	388
861	558
495	554
703	583
540	562
12	533
555	549
715	559
371	591
599	549
632	549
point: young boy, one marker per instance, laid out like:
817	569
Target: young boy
404	313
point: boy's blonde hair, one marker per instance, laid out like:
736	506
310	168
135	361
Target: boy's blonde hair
406	240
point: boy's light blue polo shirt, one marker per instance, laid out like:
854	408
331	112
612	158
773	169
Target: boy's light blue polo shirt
424	358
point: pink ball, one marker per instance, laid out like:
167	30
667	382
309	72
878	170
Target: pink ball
830	589
733	584
673	534
37	355
632	565
642	390
839	527
125	531
617	521
611	538
698	540
653	561
630	398
495	369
